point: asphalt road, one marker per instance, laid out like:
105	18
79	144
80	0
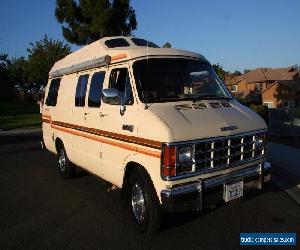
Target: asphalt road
39	210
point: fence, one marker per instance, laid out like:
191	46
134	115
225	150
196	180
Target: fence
284	122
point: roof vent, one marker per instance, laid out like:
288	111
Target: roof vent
117	42
144	43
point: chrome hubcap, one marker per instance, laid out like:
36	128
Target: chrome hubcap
138	202
62	161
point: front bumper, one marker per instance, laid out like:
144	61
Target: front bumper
196	195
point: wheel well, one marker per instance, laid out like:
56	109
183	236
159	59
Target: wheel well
128	170
58	144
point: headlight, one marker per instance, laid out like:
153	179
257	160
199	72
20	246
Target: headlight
186	155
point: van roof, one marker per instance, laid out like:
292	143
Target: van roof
119	48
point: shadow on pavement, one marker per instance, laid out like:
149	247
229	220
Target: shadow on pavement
12	139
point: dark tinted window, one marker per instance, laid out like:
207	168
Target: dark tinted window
119	79
81	90
96	89
118	42
53	92
170	80
143	42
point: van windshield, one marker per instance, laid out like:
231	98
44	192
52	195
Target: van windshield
175	79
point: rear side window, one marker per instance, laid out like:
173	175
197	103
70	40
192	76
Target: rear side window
96	89
53	92
117	42
81	90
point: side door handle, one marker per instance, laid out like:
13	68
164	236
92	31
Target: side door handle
85	114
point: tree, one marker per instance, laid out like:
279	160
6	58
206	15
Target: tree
246	71
86	21
237	73
18	73
167	45
7	88
41	57
220	71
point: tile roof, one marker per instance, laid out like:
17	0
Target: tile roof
269	74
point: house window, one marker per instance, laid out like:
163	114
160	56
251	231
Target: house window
289	104
234	88
257	86
269	104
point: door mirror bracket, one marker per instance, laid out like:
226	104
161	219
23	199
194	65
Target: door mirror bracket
113	97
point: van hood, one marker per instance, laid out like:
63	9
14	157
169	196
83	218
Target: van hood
209	118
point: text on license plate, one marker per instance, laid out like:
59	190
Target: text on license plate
233	191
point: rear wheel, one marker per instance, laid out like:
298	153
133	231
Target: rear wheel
143	202
65	167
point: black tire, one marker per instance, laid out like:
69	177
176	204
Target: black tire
150	221
65	167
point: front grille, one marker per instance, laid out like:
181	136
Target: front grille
227	152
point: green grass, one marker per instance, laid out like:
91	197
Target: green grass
16	115
18	108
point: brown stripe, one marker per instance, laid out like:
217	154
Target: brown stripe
46	120
125	138
103	140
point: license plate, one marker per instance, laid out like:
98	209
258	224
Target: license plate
233	191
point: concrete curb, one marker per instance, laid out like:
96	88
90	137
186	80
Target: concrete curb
292	191
287	181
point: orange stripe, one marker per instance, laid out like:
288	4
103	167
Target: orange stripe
117	57
103	140
130	139
148	152
46	116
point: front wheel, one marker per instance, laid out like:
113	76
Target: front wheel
143	202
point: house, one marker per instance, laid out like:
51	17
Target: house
279	87
285	93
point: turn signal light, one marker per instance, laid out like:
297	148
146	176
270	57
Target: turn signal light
169	161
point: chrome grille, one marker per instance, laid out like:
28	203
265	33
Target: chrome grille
227	152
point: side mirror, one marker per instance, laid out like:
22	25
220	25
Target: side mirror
113	96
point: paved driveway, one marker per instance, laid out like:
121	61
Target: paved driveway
39	210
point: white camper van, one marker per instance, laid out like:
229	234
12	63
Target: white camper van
156	122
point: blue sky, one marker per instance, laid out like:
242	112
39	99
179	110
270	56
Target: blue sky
236	34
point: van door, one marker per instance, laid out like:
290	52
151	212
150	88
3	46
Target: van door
93	123
48	108
78	121
118	128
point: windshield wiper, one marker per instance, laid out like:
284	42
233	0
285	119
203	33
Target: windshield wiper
210	97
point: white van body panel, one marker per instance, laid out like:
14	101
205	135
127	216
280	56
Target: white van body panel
189	124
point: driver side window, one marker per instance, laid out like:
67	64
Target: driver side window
120	80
